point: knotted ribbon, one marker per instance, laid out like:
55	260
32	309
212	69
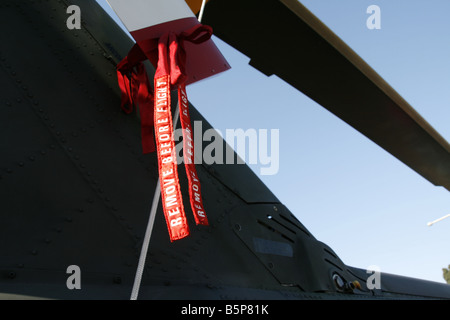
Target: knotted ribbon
169	54
135	87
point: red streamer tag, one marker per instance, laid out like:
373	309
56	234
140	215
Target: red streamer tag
168	174
170	72
195	193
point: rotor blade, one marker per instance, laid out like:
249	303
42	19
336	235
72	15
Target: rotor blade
286	39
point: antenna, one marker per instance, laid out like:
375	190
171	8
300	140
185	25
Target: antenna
437	220
202	9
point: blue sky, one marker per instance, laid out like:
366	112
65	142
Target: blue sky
350	193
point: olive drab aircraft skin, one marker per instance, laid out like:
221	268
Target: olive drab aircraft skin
76	189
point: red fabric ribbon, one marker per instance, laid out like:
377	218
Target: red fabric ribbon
135	87
170	73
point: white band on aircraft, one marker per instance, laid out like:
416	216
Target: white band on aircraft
140	14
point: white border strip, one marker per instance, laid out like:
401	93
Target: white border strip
140	14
